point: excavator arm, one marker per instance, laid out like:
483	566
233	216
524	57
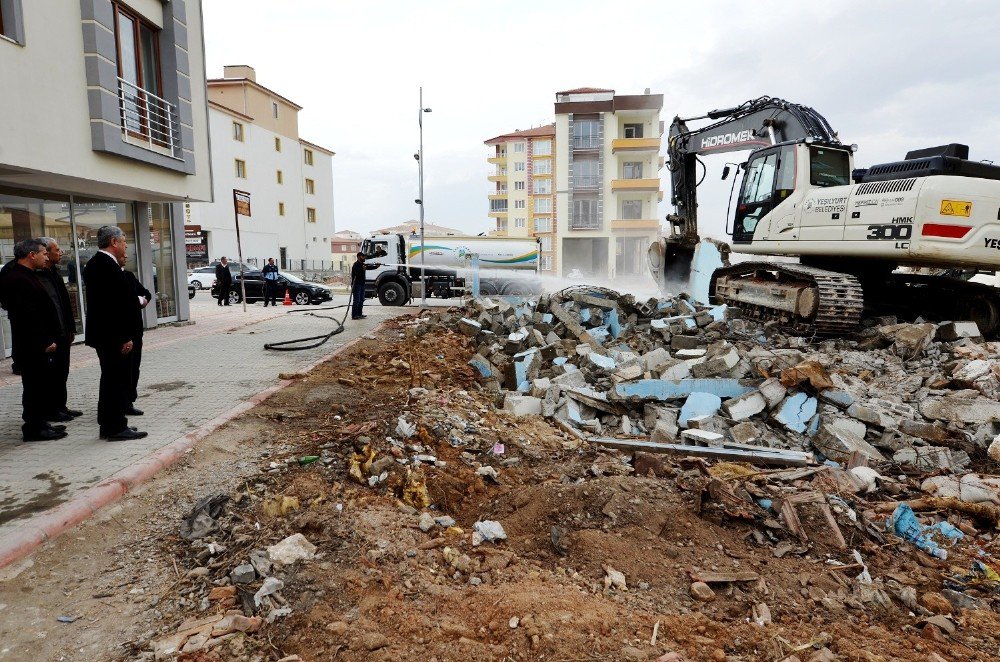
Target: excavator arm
752	125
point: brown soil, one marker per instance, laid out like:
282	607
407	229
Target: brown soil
382	589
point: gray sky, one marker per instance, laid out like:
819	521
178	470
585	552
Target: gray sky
889	76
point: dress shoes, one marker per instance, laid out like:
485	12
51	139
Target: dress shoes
125	434
47	434
57	428
73	412
59	417
132	411
359	317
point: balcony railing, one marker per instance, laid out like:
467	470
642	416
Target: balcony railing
586	181
586	142
148	118
585	222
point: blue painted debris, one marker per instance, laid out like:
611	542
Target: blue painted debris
585	315
674	389
837	397
707	259
482	365
813	427
906	525
698	404
559	360
796	412
547	318
600	334
601	361
522	362
614	326
718	313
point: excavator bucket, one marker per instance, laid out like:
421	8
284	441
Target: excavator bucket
670	264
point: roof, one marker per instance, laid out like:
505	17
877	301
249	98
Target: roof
585	90
547	130
414	226
251	83
228	110
317	147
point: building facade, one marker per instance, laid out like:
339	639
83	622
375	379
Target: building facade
104	121
344	247
256	148
607	180
522	197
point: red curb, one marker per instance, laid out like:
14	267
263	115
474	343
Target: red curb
48	525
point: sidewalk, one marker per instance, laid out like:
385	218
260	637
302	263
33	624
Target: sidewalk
190	375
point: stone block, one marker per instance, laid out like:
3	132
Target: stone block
540	386
932	458
699	404
744	433
522	405
675	369
664	432
961	409
653	360
839	444
469	327
702	438
744	406
773	391
952	331
854	426
685	342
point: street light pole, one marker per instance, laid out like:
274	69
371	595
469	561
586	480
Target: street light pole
420	201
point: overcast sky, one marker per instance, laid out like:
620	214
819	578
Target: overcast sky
889	76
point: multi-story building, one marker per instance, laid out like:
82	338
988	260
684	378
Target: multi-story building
522	199
607	180
103	121
256	148
344	247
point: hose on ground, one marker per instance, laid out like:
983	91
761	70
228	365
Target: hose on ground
315	341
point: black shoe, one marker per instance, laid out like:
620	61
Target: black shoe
125	434
132	411
57	428
73	412
359	317
45	435
59	417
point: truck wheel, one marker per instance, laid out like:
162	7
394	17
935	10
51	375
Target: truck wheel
515	289
488	288
392	294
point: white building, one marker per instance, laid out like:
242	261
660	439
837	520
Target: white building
256	148
103	121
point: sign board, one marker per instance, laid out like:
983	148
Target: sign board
241	200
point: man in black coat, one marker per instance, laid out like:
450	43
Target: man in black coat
358	285
55	287
112	306
135	356
223	280
35	330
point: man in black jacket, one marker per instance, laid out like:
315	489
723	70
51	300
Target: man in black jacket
358	286
223	280
112	306
135	356
55	287
35	329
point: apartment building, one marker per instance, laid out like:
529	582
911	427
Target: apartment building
521	199
104	121
344	247
607	180
256	148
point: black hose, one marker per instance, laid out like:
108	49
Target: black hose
296	344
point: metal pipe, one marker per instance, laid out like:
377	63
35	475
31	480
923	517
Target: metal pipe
420	162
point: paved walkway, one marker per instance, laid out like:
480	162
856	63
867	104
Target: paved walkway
190	375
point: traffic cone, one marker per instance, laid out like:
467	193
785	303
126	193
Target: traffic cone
288	299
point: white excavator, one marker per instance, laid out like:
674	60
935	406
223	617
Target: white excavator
935	212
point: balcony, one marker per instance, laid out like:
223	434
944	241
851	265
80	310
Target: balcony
498	160
584	143
499	195
585	222
622	185
635	145
586	182
148	120
498	177
635	224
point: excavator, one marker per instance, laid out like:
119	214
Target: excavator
867	241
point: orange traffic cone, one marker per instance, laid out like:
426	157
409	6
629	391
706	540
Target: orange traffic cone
288	299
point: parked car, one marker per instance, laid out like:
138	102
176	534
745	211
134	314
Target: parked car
202	277
191	291
300	291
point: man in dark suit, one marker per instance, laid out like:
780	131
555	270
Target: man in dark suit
35	329
135	355
223	280
112	306
56	289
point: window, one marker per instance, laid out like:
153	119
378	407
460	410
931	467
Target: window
546	263
518	186
586	134
237	131
543	205
518	147
542	186
281	209
631	210
585	216
586	173
281	177
343	248
632	170
310	186
241	169
274	109
10	20
633	130
519	204
498	206
519	166
829	167
277	144
520	222
543	224
310	215
139	69
308	156
543	148
546	243
542	166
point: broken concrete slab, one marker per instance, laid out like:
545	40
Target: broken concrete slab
840	444
699	404
702	438
469	327
653	360
649	390
974	410
744	406
796	411
522	405
952	331
931	458
761	456
744	433
773	391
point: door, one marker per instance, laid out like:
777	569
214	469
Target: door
283	257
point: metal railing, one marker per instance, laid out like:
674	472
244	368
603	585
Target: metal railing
587	222
586	181
586	142
147	117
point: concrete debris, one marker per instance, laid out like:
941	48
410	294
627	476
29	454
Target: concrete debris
293	548
488	531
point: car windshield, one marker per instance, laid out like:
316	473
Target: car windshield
289	277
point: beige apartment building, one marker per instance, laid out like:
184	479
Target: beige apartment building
522	199
607	180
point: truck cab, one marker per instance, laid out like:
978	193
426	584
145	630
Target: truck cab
389	282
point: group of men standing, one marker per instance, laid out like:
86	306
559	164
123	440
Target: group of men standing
43	329
224	281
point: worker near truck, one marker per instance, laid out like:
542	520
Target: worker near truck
358	285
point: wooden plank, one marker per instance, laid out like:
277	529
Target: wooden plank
724	577
763	456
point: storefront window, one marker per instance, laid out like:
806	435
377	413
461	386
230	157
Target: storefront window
89	216
161	242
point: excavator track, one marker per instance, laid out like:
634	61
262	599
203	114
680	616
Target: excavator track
805	300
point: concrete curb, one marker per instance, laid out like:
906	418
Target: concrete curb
48	525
